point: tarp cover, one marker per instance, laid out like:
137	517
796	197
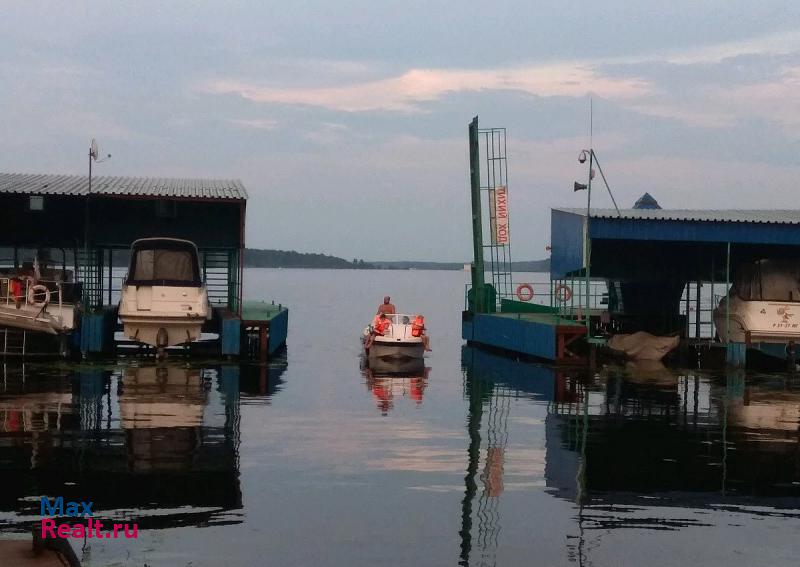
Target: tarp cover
643	346
175	265
768	280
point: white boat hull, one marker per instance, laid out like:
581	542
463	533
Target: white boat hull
54	320
396	350
398	342
757	321
176	313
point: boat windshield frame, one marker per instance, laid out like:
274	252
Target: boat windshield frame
396	318
165	244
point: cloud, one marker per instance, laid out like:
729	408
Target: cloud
776	101
407	91
255	123
714	103
779	43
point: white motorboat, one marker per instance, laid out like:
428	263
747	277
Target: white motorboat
763	304
164	300
38	298
397	341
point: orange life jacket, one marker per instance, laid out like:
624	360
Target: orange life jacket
417	327
381	325
16	289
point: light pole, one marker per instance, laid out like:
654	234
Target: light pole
93	155
587	242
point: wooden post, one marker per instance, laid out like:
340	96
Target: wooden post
263	342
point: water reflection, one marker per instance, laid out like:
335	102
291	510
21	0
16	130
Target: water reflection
158	445
391	380
626	444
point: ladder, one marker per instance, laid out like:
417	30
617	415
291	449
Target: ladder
90	274
216	273
13	341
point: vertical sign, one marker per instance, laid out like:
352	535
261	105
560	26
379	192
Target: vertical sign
499	209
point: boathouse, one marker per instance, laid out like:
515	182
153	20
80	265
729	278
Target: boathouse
656	262
86	227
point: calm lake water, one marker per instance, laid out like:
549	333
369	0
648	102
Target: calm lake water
472	460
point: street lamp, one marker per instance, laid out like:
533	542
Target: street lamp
592	159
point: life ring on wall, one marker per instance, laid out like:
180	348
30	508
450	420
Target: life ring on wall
563	293
38	290
525	292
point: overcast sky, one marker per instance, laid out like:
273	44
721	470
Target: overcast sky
347	121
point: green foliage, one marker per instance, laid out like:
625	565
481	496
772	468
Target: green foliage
255	258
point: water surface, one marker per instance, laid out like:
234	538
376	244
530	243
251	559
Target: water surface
472	459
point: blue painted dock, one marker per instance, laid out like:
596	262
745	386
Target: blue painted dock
546	336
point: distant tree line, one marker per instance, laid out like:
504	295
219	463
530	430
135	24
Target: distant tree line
256	258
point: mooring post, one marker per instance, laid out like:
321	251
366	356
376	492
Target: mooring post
263	342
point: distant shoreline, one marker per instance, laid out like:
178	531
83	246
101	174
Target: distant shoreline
262	258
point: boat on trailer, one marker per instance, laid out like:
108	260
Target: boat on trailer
763	306
164	300
37	297
397	342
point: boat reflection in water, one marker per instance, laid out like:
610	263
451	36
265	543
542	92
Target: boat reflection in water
647	448
155	445
394	379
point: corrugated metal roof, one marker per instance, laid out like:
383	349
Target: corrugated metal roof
49	184
762	216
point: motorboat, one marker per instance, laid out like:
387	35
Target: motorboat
37	297
164	300
763	304
396	342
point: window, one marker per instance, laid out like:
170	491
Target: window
36	203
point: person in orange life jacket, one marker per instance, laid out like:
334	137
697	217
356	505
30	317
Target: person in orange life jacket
380	325
386	307
418	330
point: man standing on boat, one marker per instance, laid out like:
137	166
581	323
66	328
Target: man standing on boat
386	307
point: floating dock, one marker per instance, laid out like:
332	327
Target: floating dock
84	228
539	335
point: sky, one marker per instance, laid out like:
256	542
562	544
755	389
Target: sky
347	121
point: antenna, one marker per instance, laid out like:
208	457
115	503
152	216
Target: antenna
591	124
93	151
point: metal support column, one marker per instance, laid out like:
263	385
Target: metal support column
478	275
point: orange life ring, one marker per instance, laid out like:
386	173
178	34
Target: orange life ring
526	287
565	296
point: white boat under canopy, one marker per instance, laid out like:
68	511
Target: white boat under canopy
763	304
164	300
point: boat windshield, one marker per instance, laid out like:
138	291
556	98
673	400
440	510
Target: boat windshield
769	280
165	263
400	319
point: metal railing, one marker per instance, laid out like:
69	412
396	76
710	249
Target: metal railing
567	296
8	298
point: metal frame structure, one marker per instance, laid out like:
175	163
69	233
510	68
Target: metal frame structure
488	148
